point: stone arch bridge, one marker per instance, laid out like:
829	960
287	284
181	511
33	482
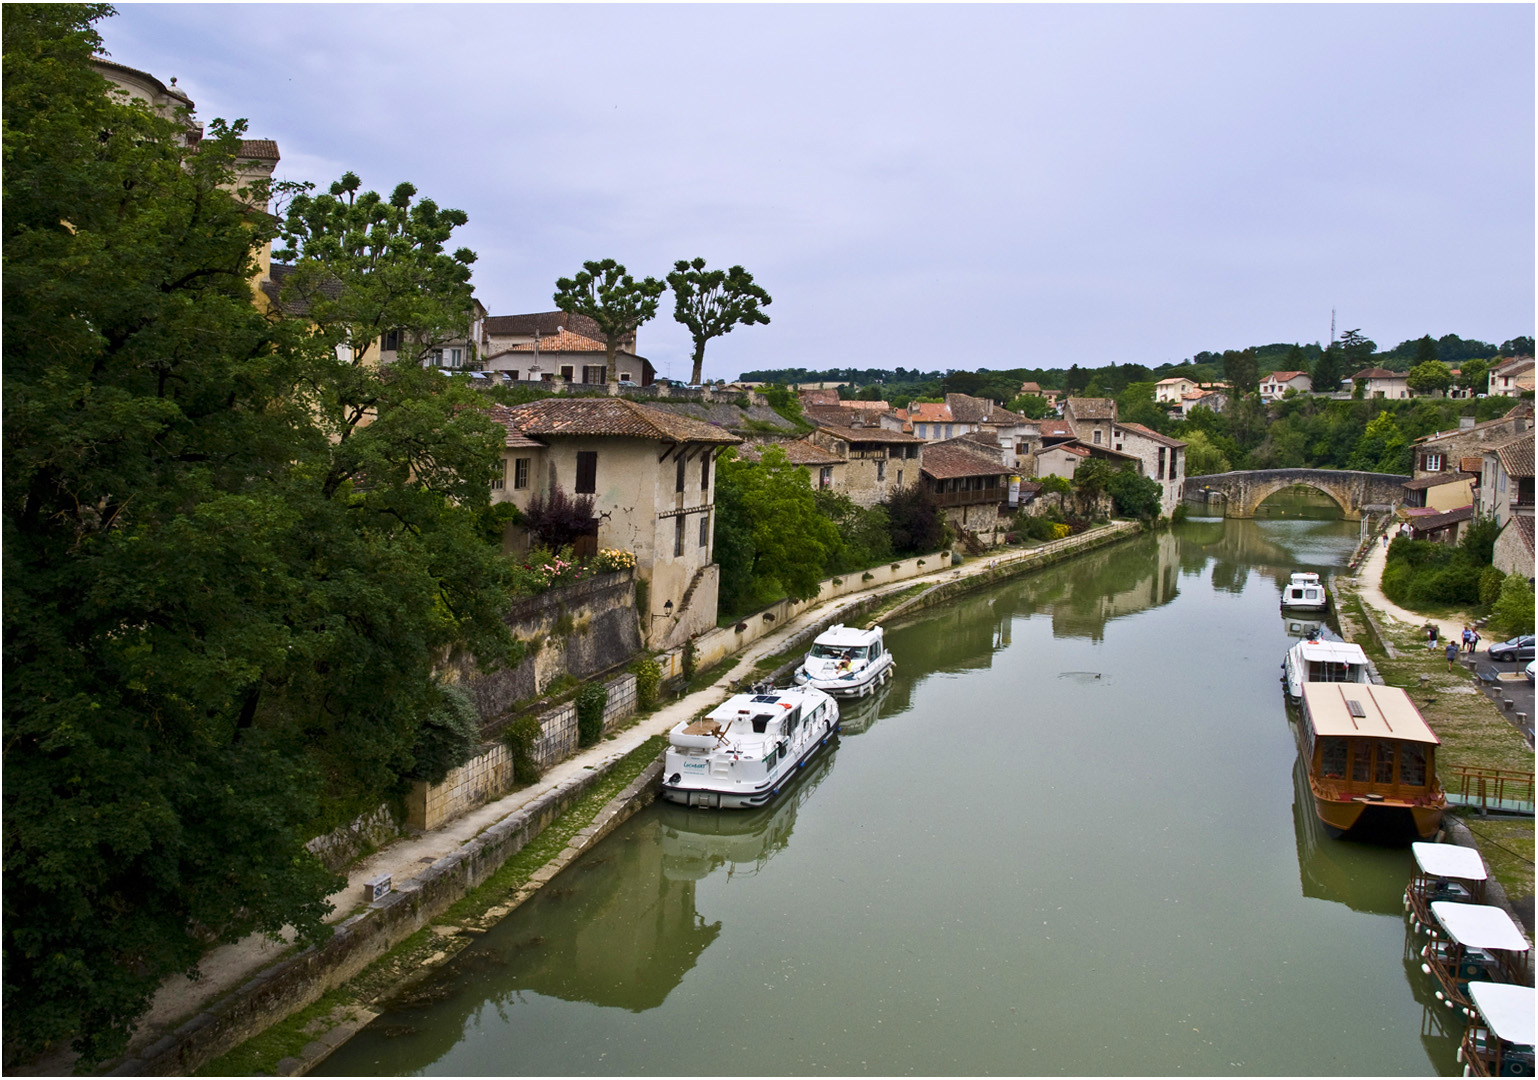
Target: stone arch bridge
1243	492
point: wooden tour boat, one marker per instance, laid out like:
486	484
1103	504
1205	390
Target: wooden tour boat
1370	758
1472	943
1443	872
1499	1040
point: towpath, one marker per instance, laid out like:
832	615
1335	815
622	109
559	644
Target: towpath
229	966
1369	576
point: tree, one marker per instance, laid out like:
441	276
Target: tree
1432	377
1513	613
1091	479
1056	485
1133	494
1357	349
615	301
918	526
1425	351
217	641
1242	370
771	541
1329	370
1203	458
1518	346
1033	406
711	302
1474	376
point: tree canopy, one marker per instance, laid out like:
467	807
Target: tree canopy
232	557
771	539
606	293
710	303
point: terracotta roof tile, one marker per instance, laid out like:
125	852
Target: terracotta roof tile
610	416
1516	456
1525	531
1150	433
976	410
1092	408
544	322
948	460
261	149
867	434
797	452
1421	483
1431	522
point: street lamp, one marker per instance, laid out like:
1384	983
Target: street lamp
667	612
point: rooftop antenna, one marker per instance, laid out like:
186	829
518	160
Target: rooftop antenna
1332	327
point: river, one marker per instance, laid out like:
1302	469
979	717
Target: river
1067	840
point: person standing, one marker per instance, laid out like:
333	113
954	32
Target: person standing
1452	653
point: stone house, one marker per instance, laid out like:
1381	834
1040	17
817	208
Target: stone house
1016	435
1062	459
825	469
1160	456
878	462
1512	378
1216	400
557	345
1170	391
1506	494
1440	491
1092	419
1035	389
651	474
1275	385
968	484
1444	451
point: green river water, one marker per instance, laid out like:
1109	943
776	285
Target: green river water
1066	840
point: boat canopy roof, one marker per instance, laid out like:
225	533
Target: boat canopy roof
1507	1009
1305	578
1337	652
1479	926
844	636
1449	860
1362	709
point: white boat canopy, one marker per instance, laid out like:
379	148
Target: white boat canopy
1479	926
1449	860
1507	1009
1335	652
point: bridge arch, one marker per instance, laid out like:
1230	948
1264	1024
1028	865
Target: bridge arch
1243	491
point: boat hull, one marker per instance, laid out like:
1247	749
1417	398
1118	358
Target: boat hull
867	682
698	791
1385	817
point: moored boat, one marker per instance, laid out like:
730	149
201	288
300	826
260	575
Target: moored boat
1473	943
846	662
1317	660
744	751
1305	592
1499	1039
1370	758
1443	872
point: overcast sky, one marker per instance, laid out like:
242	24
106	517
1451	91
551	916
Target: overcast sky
928	186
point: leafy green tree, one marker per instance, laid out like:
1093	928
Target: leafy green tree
217	641
1425	351
1033	406
1091	479
918	526
1513	612
1474	376
771	541
1357	349
1329	370
1242	371
1517	346
1133	494
1056	485
711	302
1432	377
863	533
1203	458
1382	447
1135	405
615	301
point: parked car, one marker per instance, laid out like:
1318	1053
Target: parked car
1530	672
1517	648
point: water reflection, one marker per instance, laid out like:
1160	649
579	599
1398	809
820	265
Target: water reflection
1343	871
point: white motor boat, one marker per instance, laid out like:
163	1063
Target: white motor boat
1305	592
742	753
846	661
1317	660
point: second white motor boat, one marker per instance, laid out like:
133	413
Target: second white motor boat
846	662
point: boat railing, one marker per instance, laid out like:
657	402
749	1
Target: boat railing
1491	789
1338	789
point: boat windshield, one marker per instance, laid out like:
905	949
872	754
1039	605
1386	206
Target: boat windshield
1331	671
838	652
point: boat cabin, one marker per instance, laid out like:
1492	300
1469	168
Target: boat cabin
1499	1038
1443	872
1473	943
1370	758
849	644
1304	591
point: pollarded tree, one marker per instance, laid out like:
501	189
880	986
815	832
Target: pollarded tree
711	302
615	301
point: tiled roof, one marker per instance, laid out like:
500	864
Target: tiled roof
948	460
1516	456
544	322
1437	436
610	416
870	406
1515	367
1030	388
930	411
565	341
1056	429
262	149
976	410
1432	522
797	452
1072	448
1475	465
838	416
1285	376
1175	379
516	439
1378	373
1424	482
1525	531
1092	408
819	397
867	434
1151	434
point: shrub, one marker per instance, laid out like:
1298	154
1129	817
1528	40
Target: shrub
690	660
591	700
557	519
1514	607
450	735
1456	583
648	677
609	560
519	738
1490	586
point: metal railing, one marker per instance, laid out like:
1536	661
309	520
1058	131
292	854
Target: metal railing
1491	789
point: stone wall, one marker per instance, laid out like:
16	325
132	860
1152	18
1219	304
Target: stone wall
341	846
489	775
579	630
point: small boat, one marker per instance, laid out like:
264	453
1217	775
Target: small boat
1370	758
1443	872
742	753
1472	943
846	662
1305	593
1499	1040
1316	660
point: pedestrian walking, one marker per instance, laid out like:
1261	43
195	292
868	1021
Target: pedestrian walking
1473	641
1385	539
1468	638
1452	653
1431	635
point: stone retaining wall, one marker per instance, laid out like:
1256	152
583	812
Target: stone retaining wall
341	846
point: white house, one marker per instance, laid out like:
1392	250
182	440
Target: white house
1276	384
